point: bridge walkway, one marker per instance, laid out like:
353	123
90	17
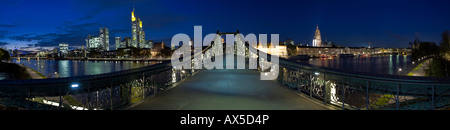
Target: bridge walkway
228	90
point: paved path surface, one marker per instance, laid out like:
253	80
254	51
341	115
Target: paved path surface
228	90
32	73
421	70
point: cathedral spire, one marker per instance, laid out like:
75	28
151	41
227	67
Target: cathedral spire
317	41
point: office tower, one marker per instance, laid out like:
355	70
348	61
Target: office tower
104	39
63	49
138	34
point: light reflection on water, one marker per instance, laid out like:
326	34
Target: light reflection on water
70	68
375	64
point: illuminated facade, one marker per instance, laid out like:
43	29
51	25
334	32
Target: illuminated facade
63	49
92	42
148	44
100	43
138	34
117	42
104	39
356	51
125	43
279	50
317	41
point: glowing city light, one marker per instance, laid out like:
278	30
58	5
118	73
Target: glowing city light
74	85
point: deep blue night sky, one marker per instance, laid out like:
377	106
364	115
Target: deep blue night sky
35	24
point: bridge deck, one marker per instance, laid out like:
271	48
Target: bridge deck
228	90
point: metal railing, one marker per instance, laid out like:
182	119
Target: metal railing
363	91
103	91
92	92
351	90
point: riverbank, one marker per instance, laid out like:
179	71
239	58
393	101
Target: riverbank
419	70
33	73
14	71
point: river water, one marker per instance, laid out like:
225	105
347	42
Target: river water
70	68
393	64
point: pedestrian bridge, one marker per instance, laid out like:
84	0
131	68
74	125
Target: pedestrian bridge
160	86
228	89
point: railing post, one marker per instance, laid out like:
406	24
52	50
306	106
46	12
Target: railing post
343	95
130	93
324	90
110	97
299	85
28	99
311	86
143	86
367	94
60	98
397	102
155	88
87	98
433	105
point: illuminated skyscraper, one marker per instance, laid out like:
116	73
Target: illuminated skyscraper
123	43
100	43
63	49
138	34
317	41
118	45
93	42
104	39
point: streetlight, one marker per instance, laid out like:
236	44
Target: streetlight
74	85
316	73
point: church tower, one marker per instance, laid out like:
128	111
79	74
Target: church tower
317	41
